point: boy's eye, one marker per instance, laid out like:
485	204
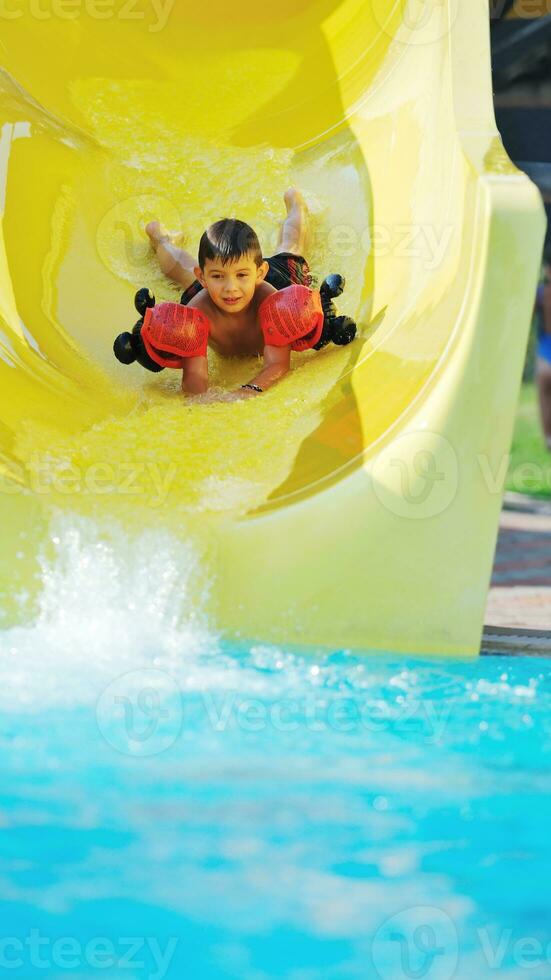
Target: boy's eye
242	275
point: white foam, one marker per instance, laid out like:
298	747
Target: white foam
109	604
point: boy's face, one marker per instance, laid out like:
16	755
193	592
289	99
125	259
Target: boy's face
231	286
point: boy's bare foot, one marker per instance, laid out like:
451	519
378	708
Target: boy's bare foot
158	233
293	198
296	230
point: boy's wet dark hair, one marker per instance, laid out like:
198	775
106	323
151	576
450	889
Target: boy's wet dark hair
227	240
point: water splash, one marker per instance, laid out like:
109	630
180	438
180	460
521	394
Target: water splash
109	603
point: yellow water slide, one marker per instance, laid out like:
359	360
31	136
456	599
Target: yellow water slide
356	503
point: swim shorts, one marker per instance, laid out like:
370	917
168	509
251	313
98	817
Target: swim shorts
285	269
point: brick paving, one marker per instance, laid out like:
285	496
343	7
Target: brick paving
518	611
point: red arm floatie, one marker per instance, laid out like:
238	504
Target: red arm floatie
172	332
293	316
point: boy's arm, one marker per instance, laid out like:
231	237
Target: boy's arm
277	361
195	375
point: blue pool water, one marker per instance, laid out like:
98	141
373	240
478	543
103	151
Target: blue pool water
172	806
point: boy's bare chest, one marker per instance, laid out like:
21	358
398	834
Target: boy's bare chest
238	335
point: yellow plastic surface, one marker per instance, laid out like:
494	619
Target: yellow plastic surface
356	504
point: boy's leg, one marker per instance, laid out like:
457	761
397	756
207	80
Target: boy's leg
294	232
176	263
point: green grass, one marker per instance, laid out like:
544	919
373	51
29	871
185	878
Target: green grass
530	464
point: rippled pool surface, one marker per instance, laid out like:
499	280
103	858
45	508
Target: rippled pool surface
199	810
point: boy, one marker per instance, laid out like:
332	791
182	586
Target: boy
228	282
